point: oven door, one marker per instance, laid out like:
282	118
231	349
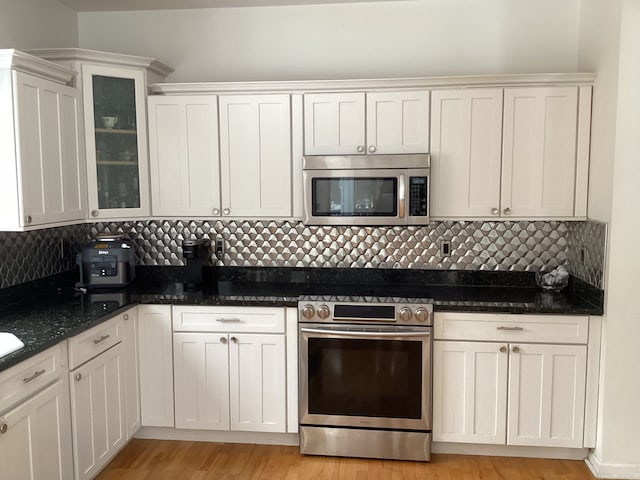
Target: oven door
365	376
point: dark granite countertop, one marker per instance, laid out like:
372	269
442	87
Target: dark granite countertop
44	312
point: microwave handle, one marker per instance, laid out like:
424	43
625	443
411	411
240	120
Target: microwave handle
401	197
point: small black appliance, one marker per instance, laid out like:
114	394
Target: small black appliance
109	261
196	254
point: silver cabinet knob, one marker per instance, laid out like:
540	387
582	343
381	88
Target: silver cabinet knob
405	314
516	349
216	211
323	311
308	311
360	148
29	219
503	349
4	427
226	211
421	314
78	377
507	211
372	148
234	339
223	340
495	211
94	213
125	316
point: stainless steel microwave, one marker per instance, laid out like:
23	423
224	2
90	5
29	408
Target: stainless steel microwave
366	189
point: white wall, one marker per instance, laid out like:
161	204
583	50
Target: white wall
387	39
37	24
610	44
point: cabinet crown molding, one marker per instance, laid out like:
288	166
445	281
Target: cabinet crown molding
94	56
27	63
304	86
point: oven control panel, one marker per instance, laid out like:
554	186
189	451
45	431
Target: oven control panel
366	310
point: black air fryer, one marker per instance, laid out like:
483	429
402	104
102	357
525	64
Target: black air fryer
108	261
196	254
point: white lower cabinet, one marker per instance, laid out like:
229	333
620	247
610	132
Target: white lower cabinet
97	387
232	378
508	392
131	371
35	437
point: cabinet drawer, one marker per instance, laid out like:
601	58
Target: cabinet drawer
228	319
19	382
511	328
93	342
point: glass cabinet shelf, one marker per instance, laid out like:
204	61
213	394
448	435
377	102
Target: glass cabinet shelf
116	131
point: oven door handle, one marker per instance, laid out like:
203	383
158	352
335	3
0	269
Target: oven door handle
364	334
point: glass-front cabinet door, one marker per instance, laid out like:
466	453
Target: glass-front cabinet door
117	158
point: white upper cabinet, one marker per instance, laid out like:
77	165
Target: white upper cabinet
539	159
116	124
526	157
184	155
374	123
466	144
255	155
42	148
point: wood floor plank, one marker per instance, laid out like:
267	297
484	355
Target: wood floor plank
170	460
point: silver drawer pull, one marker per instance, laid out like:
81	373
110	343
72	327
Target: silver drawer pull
228	320
510	328
34	376
97	341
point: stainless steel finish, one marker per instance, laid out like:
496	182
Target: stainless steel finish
323	312
308	311
421	314
405	314
346	442
495	211
360	148
507	211
515	329
226	211
3	427
223	340
234	339
78	377
98	341
372	149
503	349
29	219
402	201
396	333
125	316
515	349
366	162
94	213
228	320
586	244
34	376
215	211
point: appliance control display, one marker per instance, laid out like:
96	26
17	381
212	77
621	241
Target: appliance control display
103	266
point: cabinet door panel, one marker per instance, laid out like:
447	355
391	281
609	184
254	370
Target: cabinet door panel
97	406
131	371
201	381
470	392
466	141
257	383
546	395
184	159
156	365
74	180
255	153
334	123
539	157
398	122
37	443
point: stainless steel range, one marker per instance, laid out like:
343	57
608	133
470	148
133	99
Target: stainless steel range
365	377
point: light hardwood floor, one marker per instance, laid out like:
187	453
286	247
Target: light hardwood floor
161	459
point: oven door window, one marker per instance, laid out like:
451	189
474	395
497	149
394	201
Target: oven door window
355	196
367	378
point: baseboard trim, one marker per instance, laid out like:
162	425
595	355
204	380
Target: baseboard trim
168	433
509	451
628	471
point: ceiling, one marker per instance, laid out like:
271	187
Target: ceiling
118	5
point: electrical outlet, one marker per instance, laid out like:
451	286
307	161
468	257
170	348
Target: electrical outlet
219	251
583	254
445	248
